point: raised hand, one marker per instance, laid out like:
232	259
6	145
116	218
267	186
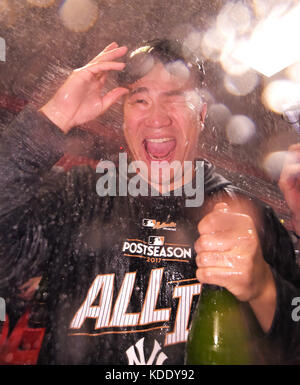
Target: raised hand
289	184
79	99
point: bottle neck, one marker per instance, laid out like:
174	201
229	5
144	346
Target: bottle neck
213	292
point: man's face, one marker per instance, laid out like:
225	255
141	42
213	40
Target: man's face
162	117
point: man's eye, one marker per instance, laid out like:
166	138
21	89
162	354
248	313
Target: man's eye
140	101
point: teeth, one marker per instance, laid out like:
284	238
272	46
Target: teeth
160	140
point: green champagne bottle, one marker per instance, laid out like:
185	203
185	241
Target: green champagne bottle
219	333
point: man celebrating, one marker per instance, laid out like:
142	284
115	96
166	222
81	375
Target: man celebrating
122	274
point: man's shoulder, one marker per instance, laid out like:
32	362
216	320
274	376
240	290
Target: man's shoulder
77	180
213	181
219	188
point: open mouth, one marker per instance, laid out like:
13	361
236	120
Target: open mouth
160	149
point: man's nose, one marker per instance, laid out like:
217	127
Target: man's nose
158	117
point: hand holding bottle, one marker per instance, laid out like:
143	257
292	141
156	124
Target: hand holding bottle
79	99
229	254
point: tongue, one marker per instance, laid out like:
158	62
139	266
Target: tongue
160	150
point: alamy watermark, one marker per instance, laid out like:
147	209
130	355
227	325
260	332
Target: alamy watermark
296	311
187	179
2	49
2	309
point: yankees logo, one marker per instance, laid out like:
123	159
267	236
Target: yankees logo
154	359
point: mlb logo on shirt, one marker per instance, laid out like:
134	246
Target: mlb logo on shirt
156	241
149	222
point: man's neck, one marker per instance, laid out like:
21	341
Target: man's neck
177	183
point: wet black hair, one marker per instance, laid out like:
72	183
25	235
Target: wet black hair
143	57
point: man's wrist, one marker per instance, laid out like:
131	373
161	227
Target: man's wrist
264	304
55	116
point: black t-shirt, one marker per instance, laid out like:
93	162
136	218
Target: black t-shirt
128	294
119	280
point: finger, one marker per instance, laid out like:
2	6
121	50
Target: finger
96	68
241	239
219	221
289	175
115	53
112	97
110	47
217	242
110	55
295	147
291	157
216	275
291	170
215	259
213	221
228	241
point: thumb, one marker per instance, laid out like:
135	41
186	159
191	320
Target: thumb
215	220
112	96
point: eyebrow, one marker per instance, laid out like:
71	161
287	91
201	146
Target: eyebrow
138	90
174	93
145	89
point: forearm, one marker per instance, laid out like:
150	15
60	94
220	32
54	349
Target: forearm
264	305
29	147
283	338
279	254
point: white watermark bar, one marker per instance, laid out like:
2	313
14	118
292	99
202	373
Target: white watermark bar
296	311
2	49
187	181
2	309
